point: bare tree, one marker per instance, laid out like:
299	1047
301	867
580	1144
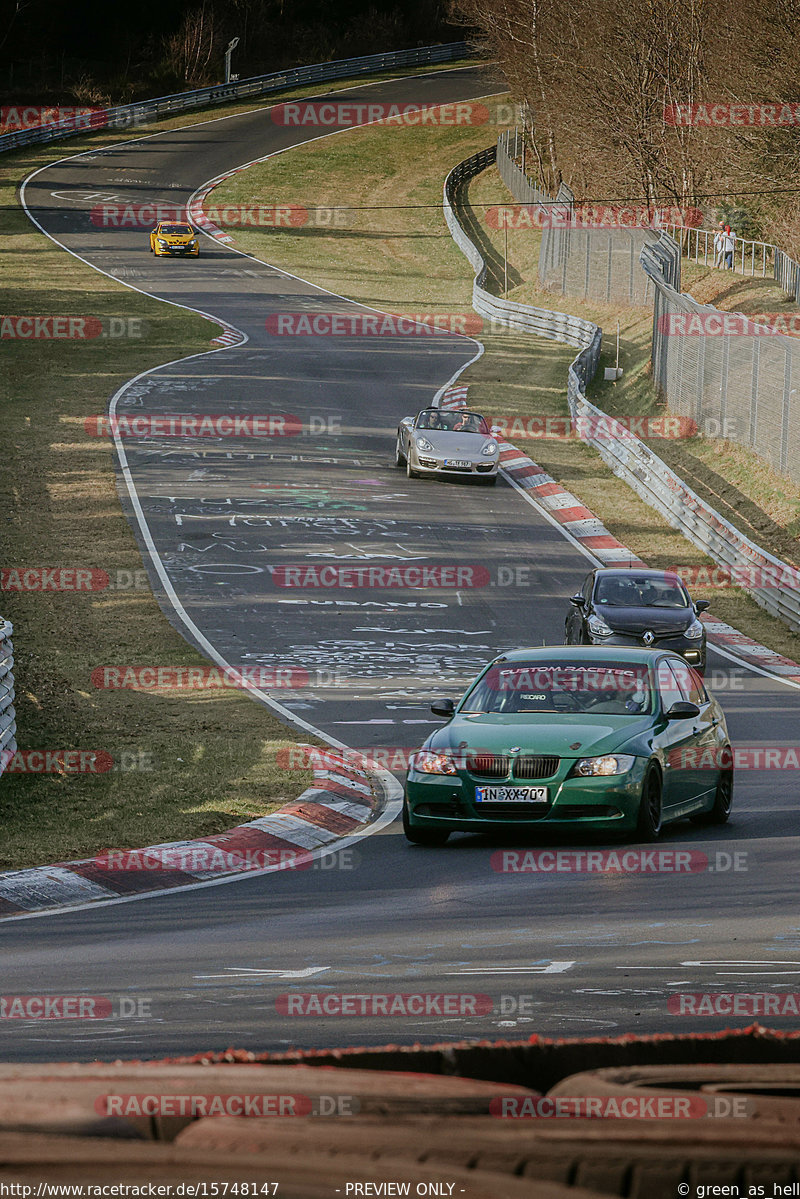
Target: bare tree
191	49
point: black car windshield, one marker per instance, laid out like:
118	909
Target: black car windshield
602	688
176	230
453	422
619	591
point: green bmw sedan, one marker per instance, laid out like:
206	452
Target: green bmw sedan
617	740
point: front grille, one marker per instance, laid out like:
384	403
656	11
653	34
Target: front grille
497	766
485	466
488	766
535	766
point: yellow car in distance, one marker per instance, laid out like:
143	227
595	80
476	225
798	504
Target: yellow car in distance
170	238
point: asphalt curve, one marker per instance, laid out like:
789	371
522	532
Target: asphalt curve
558	954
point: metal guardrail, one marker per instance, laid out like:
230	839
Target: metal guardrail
629	458
698	244
258	85
8	726
558	326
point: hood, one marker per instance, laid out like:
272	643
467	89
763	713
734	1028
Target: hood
639	620
453	445
540	734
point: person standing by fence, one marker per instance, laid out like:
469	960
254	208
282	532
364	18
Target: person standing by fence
729	245
719	245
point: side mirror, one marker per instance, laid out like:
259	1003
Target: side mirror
408	421
702	606
683	710
496	430
577	600
445	708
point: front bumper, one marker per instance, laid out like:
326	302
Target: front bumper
693	651
429	464
608	803
180	251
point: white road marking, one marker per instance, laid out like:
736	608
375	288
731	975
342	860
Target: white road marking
251	972
552	968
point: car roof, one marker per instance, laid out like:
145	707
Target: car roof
586	654
636	572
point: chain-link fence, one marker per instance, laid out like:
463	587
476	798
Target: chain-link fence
589	263
8	727
734	376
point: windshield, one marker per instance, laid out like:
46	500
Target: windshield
619	591
610	688
453	422
176	230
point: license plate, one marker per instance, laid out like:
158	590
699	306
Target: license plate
511	795
457	462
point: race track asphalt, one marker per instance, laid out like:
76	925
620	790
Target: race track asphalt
559	953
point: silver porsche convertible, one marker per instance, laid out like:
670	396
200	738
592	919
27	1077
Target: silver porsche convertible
437	442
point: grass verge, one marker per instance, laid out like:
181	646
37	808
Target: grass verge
393	250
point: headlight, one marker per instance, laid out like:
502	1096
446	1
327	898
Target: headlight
422	444
598	627
429	762
694	630
490	448
162	243
611	764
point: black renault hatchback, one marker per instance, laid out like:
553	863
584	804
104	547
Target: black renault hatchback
627	606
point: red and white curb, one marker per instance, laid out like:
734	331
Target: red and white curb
229	337
341	803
